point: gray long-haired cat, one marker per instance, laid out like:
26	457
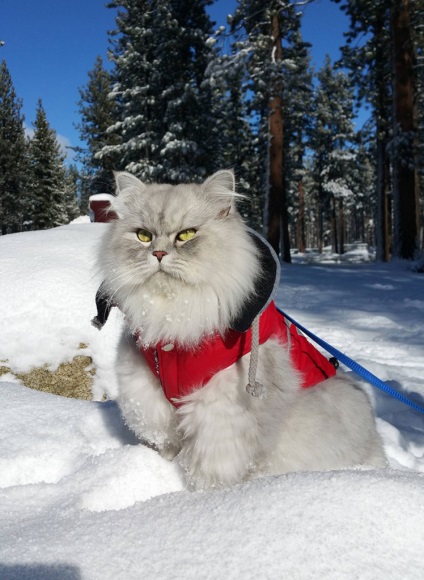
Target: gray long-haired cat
196	288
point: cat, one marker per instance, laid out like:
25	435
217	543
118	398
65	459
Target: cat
188	274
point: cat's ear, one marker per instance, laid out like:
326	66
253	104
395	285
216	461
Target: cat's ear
221	181
125	181
126	185
222	186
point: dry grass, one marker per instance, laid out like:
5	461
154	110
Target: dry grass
73	379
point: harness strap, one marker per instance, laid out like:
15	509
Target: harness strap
354	366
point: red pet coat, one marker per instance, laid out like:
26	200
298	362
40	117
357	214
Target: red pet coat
182	370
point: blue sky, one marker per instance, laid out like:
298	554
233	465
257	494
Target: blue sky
50	45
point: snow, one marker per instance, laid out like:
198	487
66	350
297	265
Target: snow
102	197
47	285
80	499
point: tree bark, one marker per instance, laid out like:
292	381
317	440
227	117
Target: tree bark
301	237
335	242
277	226
405	178
383	225
341	227
320	204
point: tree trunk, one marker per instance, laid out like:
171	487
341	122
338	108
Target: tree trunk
320	219
383	202
341	227
301	238
335	243
383	225
405	178
277	226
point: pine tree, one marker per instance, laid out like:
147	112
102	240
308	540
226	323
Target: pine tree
417	31
71	200
13	163
160	57
232	136
367	54
381	53
405	175
266	33
47	176
363	178
298	104
98	113
258	25
331	139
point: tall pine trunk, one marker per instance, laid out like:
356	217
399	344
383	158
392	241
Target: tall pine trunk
320	207
335	240
277	226
341	227
383	225
300	226
405	178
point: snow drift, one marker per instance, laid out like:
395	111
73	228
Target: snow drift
80	499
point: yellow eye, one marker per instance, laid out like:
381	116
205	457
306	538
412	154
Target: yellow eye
186	235
144	236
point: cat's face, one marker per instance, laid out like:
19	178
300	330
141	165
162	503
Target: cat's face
180	232
180	243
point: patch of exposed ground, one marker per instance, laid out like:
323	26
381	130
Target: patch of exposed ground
72	379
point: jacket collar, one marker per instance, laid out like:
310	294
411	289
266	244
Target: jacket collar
266	285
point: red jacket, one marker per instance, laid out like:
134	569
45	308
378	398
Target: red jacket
181	370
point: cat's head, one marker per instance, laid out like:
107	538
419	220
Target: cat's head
178	255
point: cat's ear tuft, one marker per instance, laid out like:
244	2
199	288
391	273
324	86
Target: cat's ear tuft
126	185
125	180
221	181
222	185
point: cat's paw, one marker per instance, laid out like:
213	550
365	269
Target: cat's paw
169	451
217	451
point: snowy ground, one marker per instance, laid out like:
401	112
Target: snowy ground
79	499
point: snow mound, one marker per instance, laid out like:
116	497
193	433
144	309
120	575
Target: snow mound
48	285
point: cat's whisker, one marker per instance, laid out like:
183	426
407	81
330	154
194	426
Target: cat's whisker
130	276
130	292
123	277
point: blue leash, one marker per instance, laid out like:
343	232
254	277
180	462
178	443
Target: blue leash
354	366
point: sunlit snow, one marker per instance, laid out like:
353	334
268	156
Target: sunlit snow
80	499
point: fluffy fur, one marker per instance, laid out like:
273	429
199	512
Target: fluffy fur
220	434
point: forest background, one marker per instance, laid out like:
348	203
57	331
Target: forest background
181	99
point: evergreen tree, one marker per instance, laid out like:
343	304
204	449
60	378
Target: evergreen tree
232	133
367	54
13	163
417	30
298	104
363	179
266	34
160	56
98	113
331	140
381	52
47	176
405	174
71	200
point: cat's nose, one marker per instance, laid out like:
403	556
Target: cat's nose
159	255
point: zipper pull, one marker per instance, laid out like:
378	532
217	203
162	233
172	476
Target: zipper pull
157	365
